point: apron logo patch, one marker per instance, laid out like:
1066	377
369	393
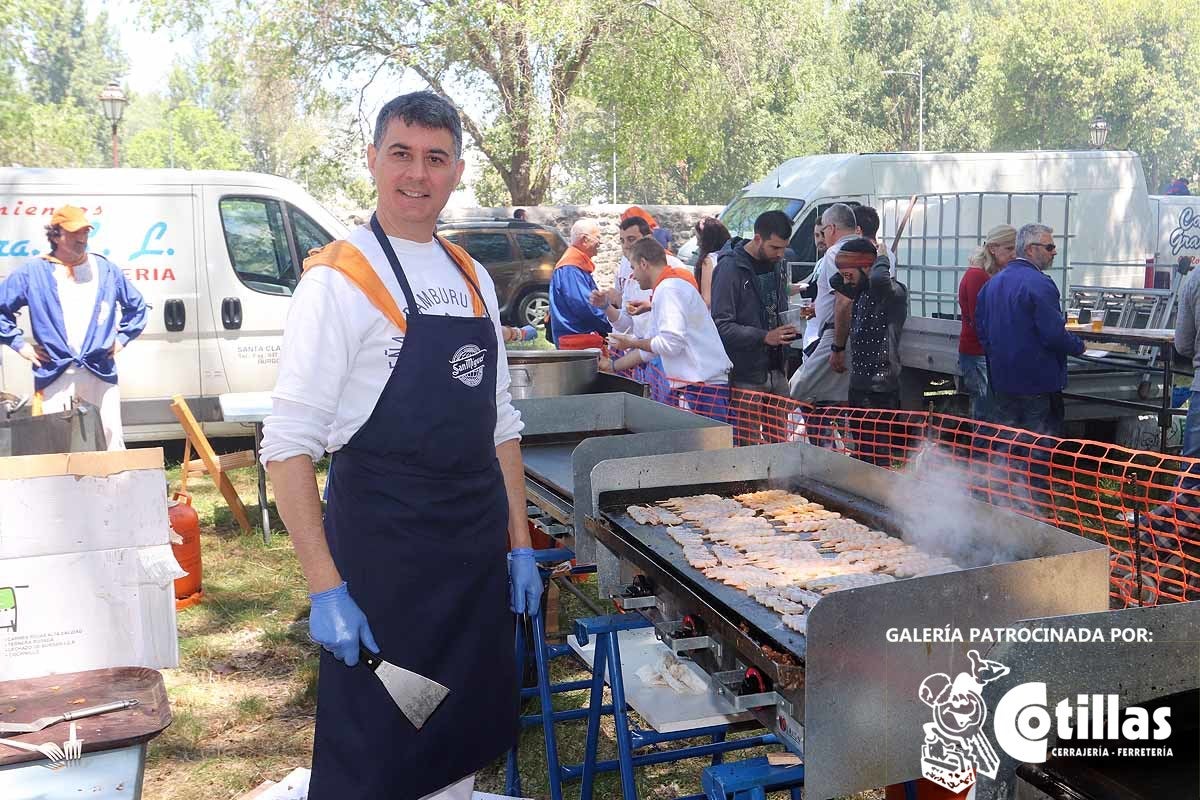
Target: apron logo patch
467	364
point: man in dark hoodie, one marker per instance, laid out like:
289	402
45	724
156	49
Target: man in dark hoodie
880	306
750	290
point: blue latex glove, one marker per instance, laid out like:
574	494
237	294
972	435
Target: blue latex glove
524	582
338	624
528	333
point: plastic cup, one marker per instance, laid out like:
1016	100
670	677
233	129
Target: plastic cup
1097	324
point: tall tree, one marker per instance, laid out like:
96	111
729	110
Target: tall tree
49	111
510	65
1134	61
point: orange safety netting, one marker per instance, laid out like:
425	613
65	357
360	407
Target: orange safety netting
1088	488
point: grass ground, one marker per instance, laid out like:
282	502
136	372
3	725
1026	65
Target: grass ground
243	697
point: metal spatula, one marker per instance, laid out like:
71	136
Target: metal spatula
415	695
45	722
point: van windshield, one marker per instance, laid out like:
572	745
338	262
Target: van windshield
739	215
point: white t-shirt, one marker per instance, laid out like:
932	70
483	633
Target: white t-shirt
823	306
339	350
684	335
77	297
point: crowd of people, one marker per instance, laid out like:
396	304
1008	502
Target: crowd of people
730	322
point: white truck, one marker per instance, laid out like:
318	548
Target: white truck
1104	221
216	255
1177	229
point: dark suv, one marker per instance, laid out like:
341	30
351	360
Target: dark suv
518	255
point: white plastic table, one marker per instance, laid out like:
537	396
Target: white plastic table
252	407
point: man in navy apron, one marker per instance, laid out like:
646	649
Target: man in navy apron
391	361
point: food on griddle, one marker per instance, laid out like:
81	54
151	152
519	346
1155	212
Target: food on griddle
836	583
755	499
705	514
775	600
700	557
783	550
685	536
648	515
699	501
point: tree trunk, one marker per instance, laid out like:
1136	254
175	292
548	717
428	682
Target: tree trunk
521	191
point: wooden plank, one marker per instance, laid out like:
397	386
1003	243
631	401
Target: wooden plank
96	465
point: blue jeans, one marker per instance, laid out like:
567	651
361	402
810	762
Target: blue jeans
1040	413
709	400
975	384
1191	428
1032	414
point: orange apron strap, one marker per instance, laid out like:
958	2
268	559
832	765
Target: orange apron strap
468	267
347	259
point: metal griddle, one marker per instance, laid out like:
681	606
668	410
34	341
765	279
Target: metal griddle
565	437
842	696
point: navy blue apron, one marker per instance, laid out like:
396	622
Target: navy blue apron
417	522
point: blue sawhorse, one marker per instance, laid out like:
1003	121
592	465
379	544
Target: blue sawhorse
751	780
607	660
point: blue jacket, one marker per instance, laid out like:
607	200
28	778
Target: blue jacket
571	309
1020	323
32	284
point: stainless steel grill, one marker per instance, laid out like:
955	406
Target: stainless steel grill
565	437
842	695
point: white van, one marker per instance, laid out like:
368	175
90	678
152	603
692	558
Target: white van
216	255
1095	200
1100	195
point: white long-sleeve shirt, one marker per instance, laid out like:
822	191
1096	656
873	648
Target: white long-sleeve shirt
638	325
339	350
684	335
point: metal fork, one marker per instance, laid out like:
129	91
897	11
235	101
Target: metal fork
50	750
73	748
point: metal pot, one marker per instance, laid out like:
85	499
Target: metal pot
552	373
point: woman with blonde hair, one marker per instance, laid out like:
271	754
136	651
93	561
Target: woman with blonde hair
999	247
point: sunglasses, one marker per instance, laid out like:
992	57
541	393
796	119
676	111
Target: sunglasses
1050	248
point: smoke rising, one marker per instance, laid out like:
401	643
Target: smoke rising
952	526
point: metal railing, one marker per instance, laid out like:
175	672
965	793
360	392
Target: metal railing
946	227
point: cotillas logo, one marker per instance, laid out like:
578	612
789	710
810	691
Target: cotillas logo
467	365
1083	727
955	746
1186	235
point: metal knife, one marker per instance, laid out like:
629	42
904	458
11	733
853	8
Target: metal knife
415	695
45	722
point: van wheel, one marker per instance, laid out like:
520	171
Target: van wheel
534	308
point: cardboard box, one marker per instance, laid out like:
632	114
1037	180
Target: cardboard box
73	502
86	568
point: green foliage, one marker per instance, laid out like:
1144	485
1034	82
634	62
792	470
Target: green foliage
188	138
693	97
1134	61
49	83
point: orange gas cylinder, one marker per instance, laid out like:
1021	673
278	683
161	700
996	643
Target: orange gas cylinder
186	523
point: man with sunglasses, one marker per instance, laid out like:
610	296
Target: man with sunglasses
1020	323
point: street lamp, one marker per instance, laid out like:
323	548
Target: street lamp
920	76
113	101
1098	133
